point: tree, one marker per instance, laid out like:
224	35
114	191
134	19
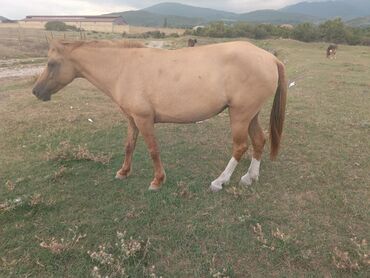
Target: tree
333	31
59	26
306	32
216	29
56	26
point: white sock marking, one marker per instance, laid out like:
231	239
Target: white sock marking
252	174
224	178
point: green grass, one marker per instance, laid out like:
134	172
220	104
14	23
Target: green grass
308	209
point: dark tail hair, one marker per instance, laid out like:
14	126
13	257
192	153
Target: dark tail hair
277	115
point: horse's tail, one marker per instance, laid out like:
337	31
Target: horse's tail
277	115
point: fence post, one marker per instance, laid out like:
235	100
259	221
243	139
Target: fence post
19	37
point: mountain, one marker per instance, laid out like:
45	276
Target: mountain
359	22
346	9
190	11
276	17
144	18
3	18
205	15
180	15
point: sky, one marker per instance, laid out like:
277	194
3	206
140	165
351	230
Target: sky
18	9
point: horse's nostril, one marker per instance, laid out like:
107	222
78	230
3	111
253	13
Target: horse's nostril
34	92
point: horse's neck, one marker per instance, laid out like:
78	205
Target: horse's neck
99	66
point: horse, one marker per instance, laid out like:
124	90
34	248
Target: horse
192	42
331	51
186	85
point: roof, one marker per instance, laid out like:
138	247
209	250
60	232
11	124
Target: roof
76	18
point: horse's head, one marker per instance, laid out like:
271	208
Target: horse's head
58	73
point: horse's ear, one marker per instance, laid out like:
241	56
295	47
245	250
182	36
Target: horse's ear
56	44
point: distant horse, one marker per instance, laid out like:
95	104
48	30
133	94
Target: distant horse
192	42
178	86
331	51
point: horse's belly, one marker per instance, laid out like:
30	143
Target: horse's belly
189	110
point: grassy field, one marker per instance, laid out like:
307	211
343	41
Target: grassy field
62	213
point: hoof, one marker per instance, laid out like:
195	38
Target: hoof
154	187
156	183
119	176
247	180
215	186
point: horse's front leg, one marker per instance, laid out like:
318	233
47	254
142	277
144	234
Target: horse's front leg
132	133
146	128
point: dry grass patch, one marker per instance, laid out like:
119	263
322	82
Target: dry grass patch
66	151
10	185
113	260
343	260
57	246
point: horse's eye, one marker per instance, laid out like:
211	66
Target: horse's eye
51	64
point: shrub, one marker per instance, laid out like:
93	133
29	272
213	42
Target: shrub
59	26
333	31
306	32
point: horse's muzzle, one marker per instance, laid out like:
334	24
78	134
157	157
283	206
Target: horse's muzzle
43	97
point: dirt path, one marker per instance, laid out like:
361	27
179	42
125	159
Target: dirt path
21	67
20	71
156	44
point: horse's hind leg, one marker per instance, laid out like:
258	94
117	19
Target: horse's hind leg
239	129
258	141
132	133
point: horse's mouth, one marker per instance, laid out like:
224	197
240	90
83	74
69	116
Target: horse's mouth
43	97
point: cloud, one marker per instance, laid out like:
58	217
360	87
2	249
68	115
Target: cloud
17	9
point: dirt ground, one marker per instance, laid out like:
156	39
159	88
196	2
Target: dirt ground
20	71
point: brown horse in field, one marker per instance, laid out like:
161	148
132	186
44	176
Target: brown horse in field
331	51
192	42
177	86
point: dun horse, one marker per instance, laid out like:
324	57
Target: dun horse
178	86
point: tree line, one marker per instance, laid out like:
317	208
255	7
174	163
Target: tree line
334	31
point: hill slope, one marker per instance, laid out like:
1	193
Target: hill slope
190	11
180	15
144	18
346	9
276	17
359	22
262	16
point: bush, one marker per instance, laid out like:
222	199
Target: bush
365	41
150	34
56	26
333	31
174	35
59	26
306	32
260	32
